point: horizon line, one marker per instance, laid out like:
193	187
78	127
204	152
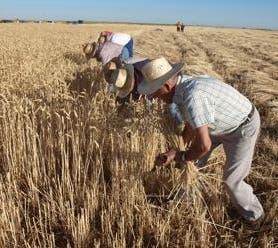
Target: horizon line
87	21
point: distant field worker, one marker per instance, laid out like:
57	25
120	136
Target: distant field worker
119	38
104	52
178	24
215	114
182	27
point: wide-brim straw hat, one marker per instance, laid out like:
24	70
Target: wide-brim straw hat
123	80
102	39
109	67
90	49
156	73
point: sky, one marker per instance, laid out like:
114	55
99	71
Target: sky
235	13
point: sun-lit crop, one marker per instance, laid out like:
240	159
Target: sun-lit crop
75	168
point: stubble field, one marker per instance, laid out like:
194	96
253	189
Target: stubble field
75	167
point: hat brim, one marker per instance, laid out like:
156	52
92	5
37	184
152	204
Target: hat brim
107	72
146	88
117	61
92	53
129	85
134	60
102	39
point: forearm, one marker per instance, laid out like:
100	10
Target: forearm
189	155
187	133
200	146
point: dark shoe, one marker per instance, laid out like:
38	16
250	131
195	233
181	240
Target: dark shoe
256	224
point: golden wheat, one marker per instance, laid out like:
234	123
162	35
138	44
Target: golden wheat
74	166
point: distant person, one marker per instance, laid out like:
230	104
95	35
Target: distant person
215	114
178	26
182	27
104	52
119	38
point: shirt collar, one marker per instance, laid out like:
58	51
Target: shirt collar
179	80
183	78
178	91
186	77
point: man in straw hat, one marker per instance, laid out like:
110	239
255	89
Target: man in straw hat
118	38
104	52
123	80
113	72
216	113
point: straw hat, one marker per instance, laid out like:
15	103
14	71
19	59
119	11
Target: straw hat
156	73
123	80
102	39
90	49
109	67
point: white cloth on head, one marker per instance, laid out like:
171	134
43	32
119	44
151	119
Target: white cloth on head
119	38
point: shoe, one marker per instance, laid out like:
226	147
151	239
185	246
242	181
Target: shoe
256	224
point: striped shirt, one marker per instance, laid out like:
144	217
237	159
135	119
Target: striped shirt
203	100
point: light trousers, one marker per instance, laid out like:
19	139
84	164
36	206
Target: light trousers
239	149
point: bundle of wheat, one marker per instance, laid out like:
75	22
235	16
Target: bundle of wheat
190	180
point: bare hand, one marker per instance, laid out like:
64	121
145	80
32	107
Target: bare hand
165	159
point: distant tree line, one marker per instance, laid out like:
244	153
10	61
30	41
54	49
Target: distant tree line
39	21
76	22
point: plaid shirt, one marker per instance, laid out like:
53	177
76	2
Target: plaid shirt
203	100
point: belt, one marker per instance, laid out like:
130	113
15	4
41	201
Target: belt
249	116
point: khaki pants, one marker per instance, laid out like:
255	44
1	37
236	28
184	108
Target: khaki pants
239	149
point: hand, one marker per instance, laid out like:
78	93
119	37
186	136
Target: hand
180	163
165	159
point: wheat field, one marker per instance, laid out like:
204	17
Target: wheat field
75	168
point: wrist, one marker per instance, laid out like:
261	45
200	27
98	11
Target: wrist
180	157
